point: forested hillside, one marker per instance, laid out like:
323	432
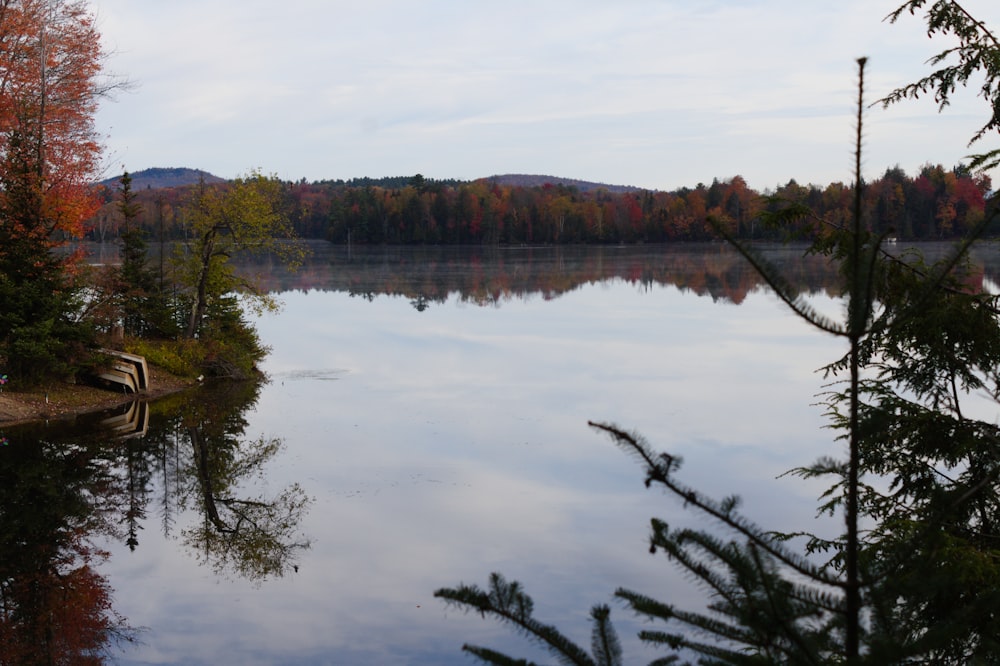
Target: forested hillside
935	204
157	178
529	180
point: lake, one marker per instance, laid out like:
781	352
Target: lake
424	424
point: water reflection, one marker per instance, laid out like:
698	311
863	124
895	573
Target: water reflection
493	275
131	421
55	497
253	535
66	487
460	447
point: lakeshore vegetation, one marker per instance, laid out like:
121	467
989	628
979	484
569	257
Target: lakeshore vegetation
57	314
187	313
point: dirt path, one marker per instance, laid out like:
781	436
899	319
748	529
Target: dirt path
64	401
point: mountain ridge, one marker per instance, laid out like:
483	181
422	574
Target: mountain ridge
155	178
533	180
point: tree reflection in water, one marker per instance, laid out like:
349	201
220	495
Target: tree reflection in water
197	446
65	488
253	536
54	605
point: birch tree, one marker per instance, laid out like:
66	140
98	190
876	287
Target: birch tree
242	216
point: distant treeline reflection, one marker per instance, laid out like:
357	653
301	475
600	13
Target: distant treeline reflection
490	275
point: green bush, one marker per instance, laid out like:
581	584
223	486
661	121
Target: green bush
232	346
228	346
183	358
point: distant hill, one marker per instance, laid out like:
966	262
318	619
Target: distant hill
389	182
510	180
526	180
157	177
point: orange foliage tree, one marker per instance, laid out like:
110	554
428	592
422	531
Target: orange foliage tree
50	84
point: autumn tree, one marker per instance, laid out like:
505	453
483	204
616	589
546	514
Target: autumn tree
49	92
244	216
50	84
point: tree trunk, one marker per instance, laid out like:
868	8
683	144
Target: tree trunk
201	299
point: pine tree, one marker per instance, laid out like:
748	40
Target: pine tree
974	59
770	603
38	337
143	312
922	585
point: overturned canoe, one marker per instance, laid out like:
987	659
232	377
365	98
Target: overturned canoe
128	372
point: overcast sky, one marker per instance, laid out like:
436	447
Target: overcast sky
654	93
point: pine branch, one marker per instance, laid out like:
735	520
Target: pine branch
777	282
976	53
805	651
604	643
659	468
508	602
493	657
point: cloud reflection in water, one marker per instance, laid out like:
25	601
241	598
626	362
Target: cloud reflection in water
454	443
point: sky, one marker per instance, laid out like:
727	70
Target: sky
659	94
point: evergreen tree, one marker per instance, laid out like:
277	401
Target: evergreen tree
974	59
143	310
921	584
51	62
39	336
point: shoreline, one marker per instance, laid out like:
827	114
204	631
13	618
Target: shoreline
66	401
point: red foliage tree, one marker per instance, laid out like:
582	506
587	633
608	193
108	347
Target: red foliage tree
50	63
50	60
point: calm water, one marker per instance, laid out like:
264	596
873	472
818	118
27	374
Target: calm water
425	424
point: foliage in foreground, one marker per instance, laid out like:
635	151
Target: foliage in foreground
921	582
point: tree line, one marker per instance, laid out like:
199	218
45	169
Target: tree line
938	203
914	575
